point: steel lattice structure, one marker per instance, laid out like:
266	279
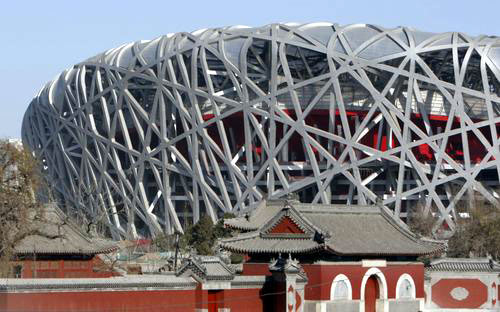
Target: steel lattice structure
161	131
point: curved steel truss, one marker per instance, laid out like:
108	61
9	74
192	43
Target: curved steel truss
155	133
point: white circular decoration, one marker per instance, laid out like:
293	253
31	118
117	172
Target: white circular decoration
459	293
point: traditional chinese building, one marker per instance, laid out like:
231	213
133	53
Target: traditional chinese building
299	257
356	258
60	250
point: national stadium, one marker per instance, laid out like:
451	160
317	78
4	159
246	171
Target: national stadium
156	133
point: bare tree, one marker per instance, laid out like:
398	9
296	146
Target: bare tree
477	231
478	235
20	212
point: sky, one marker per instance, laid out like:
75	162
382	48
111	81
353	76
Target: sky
39	39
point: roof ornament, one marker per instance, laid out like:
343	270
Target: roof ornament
287	205
287	265
319	237
291	198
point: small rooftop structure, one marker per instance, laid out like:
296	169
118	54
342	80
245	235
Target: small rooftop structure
206	268
292	227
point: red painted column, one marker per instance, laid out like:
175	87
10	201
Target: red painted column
60	271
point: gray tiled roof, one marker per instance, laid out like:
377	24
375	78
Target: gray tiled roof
255	219
70	239
464	265
346	230
135	282
122	282
215	267
257	280
257	244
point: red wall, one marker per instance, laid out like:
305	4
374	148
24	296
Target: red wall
320	277
64	268
318	288
441	293
171	300
256	269
245	300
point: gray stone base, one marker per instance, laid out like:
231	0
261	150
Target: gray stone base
391	305
332	306
402	305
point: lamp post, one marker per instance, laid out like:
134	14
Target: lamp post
176	250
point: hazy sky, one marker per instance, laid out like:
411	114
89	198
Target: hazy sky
39	39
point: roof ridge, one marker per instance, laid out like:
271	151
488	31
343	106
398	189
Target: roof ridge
241	236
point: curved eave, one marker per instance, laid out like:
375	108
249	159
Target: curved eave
386	254
240	227
328	248
267	251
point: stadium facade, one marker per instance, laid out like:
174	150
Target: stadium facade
156	133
